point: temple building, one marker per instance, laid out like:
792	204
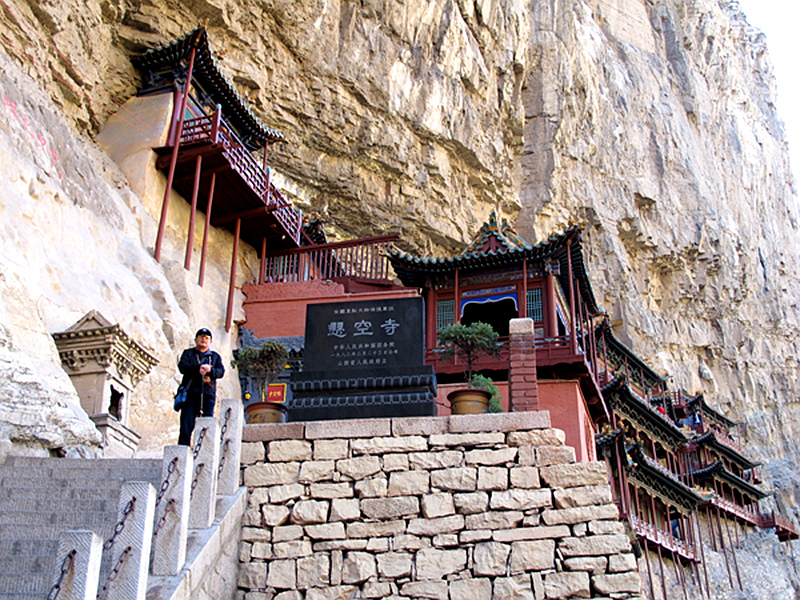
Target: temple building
677	477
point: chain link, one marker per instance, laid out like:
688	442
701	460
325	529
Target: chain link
114	572
121	525
168	509
197	470
66	565
199	443
223	454
165	484
225	423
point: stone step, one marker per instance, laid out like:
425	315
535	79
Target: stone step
13	494
65	518
37	585
49	532
68	472
25	564
28	547
75	481
48	504
90	463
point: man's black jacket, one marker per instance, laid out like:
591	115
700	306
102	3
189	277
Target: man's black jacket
189	365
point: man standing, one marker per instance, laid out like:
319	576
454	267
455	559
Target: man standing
201	367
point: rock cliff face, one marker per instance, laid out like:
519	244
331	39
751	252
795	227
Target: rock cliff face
652	121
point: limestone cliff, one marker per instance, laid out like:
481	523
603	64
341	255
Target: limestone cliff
652	121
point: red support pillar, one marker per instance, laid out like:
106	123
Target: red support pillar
187	263
573	342
201	276
523	384
263	266
549	305
162	223
457	296
232	286
431	316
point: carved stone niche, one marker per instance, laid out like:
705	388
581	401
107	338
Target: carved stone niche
105	365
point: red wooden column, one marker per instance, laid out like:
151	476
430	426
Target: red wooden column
201	276
431	315
573	342
523	384
263	265
549	301
232	286
187	263
523	313
162	223
457	297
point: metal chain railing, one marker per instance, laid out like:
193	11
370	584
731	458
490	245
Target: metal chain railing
199	443
197	470
165	484
66	565
121	524
114	572
223	454
225	423
169	508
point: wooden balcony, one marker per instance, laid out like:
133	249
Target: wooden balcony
667	541
738	511
784	528
242	187
362	261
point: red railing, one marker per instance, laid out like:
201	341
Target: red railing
784	527
662	538
361	259
736	510
211	129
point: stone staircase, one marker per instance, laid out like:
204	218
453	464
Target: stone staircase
42	497
172	524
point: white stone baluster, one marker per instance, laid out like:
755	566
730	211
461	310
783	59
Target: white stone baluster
232	421
172	511
203	493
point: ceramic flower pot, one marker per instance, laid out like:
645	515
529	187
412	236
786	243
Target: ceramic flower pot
469	401
266	412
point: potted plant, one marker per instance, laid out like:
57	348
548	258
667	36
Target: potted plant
469	343
481	382
261	366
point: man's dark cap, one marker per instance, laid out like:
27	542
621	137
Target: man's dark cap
203	331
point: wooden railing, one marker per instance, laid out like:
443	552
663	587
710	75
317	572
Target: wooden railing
360	259
211	129
736	510
774	520
662	538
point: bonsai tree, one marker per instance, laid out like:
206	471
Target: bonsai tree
262	365
481	382
469	342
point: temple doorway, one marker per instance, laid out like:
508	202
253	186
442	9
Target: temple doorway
496	313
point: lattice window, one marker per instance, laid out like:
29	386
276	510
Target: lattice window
445	313
535	307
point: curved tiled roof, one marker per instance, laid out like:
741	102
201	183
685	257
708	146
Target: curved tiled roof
717	470
207	73
498	245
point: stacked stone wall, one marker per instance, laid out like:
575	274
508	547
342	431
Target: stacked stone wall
473	507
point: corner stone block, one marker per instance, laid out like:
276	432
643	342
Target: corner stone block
575	475
544	437
567	585
492	422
